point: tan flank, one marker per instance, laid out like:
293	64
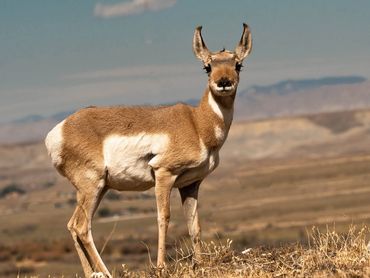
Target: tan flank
136	148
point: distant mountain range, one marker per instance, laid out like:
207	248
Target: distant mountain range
285	98
288	86
304	96
37	118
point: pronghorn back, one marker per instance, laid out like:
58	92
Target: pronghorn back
127	142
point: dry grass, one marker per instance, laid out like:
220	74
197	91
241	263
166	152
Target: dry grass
328	254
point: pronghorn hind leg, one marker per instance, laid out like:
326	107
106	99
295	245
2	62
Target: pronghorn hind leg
88	200
79	247
189	199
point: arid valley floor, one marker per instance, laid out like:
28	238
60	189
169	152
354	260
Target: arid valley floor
277	178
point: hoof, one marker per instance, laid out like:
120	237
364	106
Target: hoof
97	275
196	261
160	271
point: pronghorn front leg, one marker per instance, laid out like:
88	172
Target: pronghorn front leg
189	199
164	181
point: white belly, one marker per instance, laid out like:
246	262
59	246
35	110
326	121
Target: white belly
129	159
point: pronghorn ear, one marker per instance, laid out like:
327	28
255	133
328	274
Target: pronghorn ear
244	47
200	49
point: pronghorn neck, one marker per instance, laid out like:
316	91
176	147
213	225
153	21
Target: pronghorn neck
214	117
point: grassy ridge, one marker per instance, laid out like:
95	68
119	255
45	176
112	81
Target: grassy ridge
328	254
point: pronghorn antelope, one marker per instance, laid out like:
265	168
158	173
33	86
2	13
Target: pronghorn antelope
136	148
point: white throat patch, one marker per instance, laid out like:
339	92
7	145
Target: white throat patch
226	115
215	106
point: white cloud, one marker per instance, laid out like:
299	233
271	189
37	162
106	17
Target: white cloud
132	7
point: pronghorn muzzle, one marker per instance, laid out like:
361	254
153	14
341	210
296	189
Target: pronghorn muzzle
224	84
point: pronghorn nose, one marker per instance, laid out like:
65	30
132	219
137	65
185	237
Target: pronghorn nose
224	82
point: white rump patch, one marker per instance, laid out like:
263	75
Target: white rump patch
53	142
126	157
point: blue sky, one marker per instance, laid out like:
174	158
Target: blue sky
63	55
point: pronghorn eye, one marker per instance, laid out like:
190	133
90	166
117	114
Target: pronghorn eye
207	68
238	67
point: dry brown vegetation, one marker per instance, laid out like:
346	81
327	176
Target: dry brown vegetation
327	254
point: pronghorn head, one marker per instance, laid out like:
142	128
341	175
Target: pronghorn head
223	67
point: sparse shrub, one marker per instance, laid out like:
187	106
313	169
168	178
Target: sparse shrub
19	256
71	202
146	196
246	240
25	270
5	254
67	248
131	210
8	270
113	196
104	212
130	248
48	184
219	235
11	188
